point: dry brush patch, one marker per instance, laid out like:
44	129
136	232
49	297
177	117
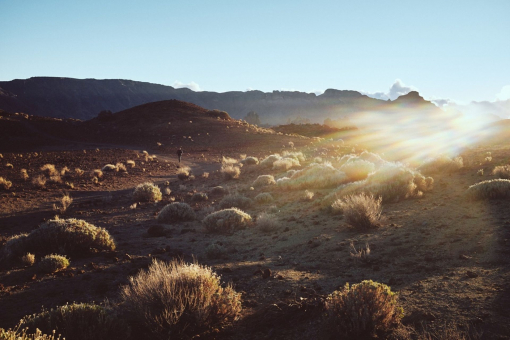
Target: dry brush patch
263	180
502	171
147	192
5	184
490	189
362	310
361	211
235	201
226	220
175	212
79	321
316	176
177	297
52	263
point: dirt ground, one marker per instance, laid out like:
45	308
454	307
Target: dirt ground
447	257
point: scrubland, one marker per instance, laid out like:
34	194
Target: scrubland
309	240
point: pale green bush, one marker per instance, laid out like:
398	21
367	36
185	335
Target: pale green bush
269	160
175	212
264	198
175	298
226	220
147	192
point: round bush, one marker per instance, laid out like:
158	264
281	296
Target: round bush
235	201
363	310
52	263
79	321
219	190
250	161
199	197
226	221
175	212
177	297
263	180
263	198
69	236
147	192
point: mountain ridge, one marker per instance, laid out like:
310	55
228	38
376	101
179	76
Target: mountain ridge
62	97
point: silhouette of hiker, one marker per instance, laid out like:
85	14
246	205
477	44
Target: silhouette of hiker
179	153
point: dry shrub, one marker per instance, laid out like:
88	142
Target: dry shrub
317	176
121	167
176	211
9	166
65	202
199	197
175	298
250	161
490	189
64	171
298	156
79	172
52	263
235	201
285	164
69	236
24	335
24	174
183	173
96	173
267	223
219	190
263	180
49	170
502	171
392	182
358	169
480	172
361	211
147	192
205	175
363	310
109	168
39	182
5	184
264	198
269	160
215	251
230	171
130	163
371	157
308	195
441	164
28	259
226	220
79	321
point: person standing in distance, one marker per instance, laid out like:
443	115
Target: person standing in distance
179	153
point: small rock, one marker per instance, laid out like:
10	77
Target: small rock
471	274
266	274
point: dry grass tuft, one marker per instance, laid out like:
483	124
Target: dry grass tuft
79	172
24	335
177	297
5	184
130	163
226	221
363	310
24	174
361	211
184	173
39	182
28	259
49	170
65	202
147	192
176	211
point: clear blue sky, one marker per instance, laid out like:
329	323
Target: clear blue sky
446	49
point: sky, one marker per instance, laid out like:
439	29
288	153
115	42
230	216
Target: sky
447	50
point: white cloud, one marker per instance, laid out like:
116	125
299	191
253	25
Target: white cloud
396	90
317	92
504	94
192	85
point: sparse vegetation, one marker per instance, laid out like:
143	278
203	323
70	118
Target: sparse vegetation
317	176
441	164
39	182
267	223
24	174
250	161
184	173
176	211
199	197
147	192
131	163
269	160
65	202
24	335
226	221
79	321
362	310
52	263
28	259
177	297
215	251
219	190
79	172
230	171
